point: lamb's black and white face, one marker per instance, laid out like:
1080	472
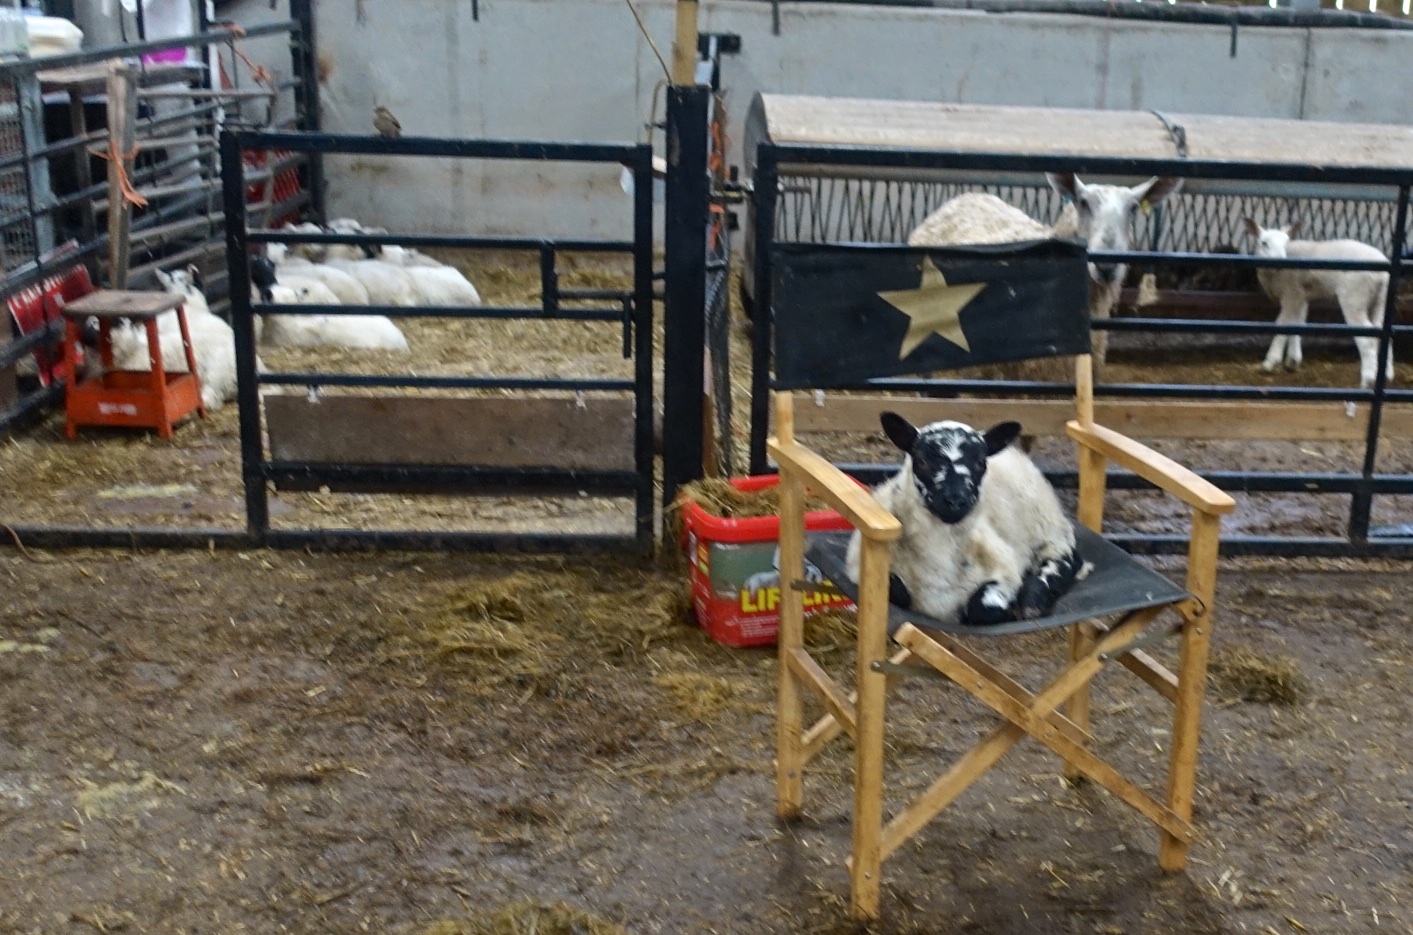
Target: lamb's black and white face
1107	215
948	460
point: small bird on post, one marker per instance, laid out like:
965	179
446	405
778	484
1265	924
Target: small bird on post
385	123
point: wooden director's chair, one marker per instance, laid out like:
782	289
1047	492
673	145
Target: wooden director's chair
847	313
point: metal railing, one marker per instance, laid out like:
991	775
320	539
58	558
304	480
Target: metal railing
775	163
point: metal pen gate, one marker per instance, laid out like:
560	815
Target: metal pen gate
822	166
342	442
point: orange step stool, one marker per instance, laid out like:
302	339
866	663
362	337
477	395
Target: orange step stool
129	398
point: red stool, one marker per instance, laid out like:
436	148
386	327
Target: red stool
129	398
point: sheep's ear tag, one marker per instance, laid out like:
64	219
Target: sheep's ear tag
1145	206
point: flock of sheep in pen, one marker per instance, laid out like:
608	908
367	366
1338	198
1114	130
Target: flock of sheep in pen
1103	217
306	274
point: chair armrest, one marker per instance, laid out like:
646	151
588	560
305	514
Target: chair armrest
837	489
1151	466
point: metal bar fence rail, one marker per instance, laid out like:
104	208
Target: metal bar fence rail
193	175
258	470
775	162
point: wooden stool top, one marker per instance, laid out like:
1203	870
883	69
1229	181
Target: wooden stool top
120	303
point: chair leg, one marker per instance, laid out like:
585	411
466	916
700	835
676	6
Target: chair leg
1192	683
872	685
1092	481
790	712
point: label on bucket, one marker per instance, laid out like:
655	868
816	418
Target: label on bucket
125	409
736	590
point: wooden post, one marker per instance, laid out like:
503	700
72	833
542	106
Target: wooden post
122	112
1093	468
1192	679
684	44
872	687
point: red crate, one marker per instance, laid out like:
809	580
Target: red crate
735	586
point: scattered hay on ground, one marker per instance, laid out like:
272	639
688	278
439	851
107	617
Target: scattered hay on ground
1246	674
529	918
700	696
831	631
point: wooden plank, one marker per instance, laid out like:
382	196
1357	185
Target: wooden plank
121	303
1150	670
1192	683
501	433
946	126
827	728
802	664
122	116
1157	469
1176	419
790	712
838	490
872	686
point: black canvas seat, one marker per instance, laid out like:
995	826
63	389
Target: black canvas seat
1116	584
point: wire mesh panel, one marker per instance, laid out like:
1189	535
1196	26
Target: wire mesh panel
17	241
820	209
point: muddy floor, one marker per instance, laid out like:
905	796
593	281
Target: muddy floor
281	742
224	742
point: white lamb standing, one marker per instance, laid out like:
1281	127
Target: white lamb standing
212	341
983	540
1361	294
1101	215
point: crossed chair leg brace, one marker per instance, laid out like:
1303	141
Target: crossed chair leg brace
1038	715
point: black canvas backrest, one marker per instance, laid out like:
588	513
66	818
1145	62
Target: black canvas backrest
845	314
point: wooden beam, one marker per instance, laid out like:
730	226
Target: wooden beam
1176	419
122	114
684	44
596	434
803	666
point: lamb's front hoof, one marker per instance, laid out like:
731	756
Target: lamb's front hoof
1268	366
988	606
1292	364
898	593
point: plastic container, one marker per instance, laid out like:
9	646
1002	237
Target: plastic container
734	567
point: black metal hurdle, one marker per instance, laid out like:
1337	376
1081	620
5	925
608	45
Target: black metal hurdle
1361	486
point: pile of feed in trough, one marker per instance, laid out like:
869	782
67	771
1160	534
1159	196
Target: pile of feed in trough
1245	674
529	918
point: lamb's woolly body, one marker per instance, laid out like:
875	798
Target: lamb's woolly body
442	285
354	331
386	284
212	342
1361	295
1016	526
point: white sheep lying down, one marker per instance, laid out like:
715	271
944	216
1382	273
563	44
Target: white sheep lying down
212	342
983	540
1361	294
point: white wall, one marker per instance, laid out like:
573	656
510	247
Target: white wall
580	70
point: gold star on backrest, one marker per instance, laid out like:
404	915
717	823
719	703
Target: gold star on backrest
933	308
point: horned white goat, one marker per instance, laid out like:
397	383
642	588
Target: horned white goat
1361	294
1101	215
212	341
984	539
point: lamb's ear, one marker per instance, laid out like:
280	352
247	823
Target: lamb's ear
1157	188
195	274
1000	435
1292	228
900	431
1252	227
1064	183
163	278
